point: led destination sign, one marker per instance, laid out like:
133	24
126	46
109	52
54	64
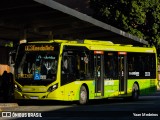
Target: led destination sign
39	48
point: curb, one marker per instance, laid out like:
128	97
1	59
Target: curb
4	105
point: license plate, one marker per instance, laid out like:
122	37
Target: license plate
33	97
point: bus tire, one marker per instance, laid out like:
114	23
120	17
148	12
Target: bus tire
83	96
135	92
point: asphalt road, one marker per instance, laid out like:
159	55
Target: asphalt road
147	107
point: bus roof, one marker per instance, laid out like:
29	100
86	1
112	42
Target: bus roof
101	45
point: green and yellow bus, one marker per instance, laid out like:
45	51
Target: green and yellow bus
83	70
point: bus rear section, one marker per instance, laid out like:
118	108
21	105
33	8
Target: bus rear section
138	74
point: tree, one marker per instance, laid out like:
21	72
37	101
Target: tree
140	18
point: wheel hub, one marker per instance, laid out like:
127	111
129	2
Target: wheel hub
83	95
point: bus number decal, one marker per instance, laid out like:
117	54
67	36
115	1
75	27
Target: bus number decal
134	73
109	83
147	73
25	76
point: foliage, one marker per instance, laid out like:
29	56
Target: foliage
6	43
137	17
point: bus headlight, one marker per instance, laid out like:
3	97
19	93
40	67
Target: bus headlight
53	87
16	87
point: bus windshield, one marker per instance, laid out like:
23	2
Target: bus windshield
36	67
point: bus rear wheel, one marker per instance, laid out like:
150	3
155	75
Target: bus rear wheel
135	92
83	95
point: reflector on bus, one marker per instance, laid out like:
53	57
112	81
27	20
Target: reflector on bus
122	53
99	52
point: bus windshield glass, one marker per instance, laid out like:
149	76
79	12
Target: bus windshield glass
36	64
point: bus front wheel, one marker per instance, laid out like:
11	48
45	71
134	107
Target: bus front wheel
135	92
83	95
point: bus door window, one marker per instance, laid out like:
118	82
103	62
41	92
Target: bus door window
122	57
99	72
110	65
121	66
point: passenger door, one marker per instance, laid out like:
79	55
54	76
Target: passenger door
99	73
122	60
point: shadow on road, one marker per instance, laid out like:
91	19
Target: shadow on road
91	102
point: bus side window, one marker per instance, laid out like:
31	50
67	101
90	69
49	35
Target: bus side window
68	64
78	63
85	64
65	64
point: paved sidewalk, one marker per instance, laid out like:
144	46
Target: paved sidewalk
4	104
